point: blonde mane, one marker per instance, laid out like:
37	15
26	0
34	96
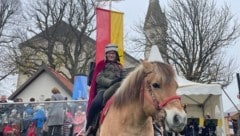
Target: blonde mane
130	89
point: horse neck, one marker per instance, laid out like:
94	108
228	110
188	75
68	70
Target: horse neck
134	114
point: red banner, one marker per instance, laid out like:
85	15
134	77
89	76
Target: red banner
109	30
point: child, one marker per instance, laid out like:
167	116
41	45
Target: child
68	120
79	121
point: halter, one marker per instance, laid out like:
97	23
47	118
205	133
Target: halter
153	100
159	105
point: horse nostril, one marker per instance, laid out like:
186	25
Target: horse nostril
177	119
179	122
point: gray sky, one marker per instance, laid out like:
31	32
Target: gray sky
135	11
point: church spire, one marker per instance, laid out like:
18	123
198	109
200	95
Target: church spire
155	28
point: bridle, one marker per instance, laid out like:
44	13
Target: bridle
147	94
159	107
153	100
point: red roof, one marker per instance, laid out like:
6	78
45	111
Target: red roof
64	80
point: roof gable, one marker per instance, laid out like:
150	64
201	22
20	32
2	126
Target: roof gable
61	80
59	30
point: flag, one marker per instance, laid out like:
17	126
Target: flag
109	30
80	87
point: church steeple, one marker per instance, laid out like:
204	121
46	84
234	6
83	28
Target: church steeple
155	28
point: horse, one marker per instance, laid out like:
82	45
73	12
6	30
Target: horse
139	101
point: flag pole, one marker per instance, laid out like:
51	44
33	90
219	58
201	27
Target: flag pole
110	4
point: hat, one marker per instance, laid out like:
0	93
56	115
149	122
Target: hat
111	47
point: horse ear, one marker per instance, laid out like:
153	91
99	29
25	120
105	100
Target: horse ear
148	67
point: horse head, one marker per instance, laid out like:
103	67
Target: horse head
160	98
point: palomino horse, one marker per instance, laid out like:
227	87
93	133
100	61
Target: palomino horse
146	91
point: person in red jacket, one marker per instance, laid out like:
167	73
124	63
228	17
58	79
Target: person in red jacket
107	73
12	130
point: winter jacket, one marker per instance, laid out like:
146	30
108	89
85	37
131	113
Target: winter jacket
108	75
56	111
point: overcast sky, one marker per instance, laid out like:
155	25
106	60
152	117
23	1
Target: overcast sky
135	11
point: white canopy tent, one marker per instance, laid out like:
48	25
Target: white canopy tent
200	99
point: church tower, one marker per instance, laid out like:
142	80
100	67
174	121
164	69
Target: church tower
155	29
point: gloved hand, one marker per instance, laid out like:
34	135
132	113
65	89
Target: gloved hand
123	73
116	80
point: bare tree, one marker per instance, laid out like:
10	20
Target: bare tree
198	31
9	9
63	27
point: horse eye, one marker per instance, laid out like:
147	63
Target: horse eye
156	85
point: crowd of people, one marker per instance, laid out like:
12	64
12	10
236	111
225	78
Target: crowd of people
48	118
194	129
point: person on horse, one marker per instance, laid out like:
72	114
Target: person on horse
106	79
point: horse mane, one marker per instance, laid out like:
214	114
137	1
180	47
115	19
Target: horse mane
130	89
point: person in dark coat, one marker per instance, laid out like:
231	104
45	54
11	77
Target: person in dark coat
55	116
107	73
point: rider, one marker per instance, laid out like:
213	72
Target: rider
108	72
